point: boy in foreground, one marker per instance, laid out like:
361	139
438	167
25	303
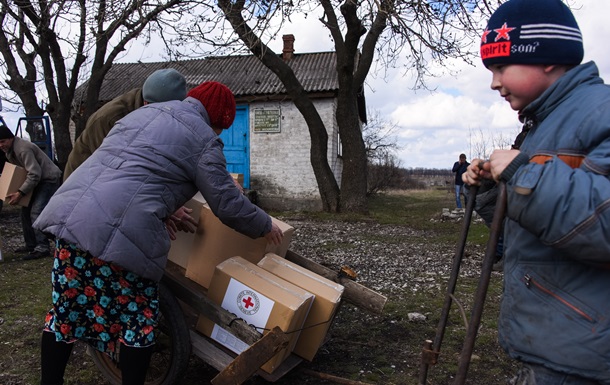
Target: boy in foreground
555	313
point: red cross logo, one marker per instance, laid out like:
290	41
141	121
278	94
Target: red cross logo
247	302
503	32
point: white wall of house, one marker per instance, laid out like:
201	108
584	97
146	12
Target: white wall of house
280	165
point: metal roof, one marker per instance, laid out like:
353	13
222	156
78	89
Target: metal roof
245	75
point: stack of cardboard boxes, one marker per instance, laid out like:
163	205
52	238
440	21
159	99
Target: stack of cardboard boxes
259	298
252	280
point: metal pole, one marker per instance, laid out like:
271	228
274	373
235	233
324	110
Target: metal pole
429	357
481	293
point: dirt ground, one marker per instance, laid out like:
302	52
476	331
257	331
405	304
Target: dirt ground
407	264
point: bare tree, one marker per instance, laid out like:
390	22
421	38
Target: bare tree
46	45
364	33
383	169
379	138
482	143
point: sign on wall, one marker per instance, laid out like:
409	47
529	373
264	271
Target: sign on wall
267	120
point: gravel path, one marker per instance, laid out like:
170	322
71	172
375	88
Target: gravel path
386	257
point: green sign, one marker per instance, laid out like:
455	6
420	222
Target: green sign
267	120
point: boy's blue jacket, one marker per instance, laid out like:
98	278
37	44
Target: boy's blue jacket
556	305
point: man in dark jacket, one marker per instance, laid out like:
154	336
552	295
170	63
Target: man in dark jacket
459	168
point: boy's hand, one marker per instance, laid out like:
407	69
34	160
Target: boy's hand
491	169
478	169
499	160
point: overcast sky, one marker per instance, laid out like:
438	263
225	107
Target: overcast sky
434	127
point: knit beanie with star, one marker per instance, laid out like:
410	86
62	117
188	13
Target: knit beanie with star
218	101
532	32
164	85
5	132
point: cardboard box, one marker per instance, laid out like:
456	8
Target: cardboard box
327	298
180	248
214	242
260	298
11	179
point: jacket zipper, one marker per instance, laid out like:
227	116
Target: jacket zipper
530	281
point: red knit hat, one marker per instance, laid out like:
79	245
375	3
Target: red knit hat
218	101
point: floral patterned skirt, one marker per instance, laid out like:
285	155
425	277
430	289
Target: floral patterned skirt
99	302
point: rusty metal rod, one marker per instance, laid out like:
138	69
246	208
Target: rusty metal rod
481	292
429	357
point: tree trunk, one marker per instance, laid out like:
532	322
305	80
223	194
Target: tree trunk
61	131
327	184
354	175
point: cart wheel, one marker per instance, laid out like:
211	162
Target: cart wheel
172	350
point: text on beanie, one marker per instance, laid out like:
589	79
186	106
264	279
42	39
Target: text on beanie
532	32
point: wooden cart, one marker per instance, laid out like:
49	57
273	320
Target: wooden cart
183	300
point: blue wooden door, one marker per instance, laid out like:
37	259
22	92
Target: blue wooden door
237	145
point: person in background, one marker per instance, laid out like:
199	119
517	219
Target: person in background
161	86
108	221
42	180
555	313
459	168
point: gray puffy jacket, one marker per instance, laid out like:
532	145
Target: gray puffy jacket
151	163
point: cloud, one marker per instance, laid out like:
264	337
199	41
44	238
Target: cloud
434	127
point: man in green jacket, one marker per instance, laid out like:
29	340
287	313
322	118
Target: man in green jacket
161	86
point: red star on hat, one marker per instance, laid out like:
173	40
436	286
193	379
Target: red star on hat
484	37
503	32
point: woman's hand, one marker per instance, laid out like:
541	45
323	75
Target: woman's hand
180	221
275	235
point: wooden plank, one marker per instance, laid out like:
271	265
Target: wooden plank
291	362
248	362
208	352
355	293
219	359
195	296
